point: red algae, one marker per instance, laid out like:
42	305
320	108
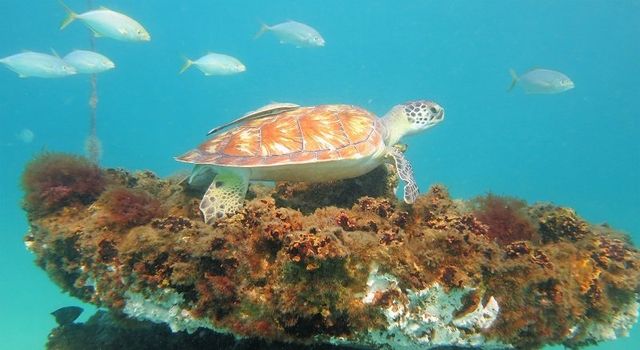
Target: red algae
505	218
309	273
52	181
130	207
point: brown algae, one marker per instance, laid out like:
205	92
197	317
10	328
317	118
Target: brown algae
360	270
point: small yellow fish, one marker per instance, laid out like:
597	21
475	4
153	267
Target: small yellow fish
88	62
216	64
108	23
541	81
295	33
35	64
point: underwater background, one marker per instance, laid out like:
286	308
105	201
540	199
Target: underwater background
579	148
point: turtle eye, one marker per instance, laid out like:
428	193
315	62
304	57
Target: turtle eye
433	110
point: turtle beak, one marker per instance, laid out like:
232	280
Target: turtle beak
438	115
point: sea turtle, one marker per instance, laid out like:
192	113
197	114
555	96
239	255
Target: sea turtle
288	142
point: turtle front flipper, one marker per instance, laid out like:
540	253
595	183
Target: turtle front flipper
225	195
405	173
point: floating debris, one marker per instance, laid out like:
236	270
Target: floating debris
66	315
26	135
363	271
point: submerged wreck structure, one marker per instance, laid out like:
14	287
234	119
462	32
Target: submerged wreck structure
340	264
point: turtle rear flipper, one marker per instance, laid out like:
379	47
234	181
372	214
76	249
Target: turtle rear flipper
225	195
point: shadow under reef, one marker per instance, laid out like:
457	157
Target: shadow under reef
111	331
340	264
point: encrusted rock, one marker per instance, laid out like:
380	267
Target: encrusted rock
562	223
307	197
345	263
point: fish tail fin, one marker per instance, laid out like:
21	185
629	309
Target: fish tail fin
514	79
263	29
186	65
71	16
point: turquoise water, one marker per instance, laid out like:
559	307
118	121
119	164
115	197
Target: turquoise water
579	148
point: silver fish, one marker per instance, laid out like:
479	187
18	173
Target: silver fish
215	64
35	64
296	33
541	81
88	62
108	23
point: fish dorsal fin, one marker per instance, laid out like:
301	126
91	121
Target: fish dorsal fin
262	112
532	69
53	51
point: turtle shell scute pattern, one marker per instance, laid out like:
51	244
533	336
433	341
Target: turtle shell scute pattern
304	135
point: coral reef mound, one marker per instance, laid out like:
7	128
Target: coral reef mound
357	270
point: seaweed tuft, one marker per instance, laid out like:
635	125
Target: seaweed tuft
506	219
130	207
52	181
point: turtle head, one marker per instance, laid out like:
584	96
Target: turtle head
410	118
